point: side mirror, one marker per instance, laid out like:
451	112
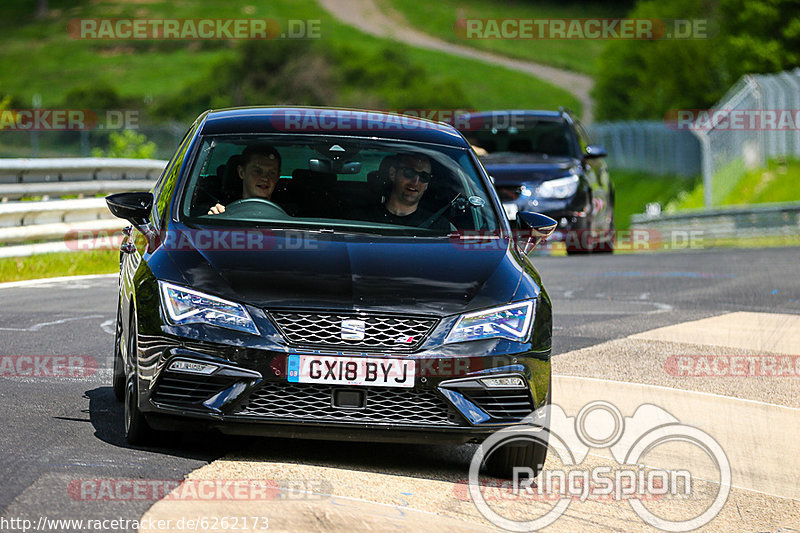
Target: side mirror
132	206
534	228
595	150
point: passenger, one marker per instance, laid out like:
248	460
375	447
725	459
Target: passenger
259	169
409	176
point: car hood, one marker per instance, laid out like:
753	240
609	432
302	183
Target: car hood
517	170
437	276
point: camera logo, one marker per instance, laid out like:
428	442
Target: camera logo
599	425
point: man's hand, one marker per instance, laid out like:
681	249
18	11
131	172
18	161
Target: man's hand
217	209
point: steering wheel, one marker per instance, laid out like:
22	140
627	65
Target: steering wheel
255	207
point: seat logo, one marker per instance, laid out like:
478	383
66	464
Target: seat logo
353	330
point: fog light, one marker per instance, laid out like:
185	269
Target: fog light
504	383
193	368
563	222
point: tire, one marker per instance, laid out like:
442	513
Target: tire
501	462
137	431
118	380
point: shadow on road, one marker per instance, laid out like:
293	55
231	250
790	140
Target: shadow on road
415	460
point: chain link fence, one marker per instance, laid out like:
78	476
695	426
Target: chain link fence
756	120
648	146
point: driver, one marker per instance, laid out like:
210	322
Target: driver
409	176
259	169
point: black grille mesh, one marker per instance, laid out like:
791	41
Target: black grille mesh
506	404
382	332
187	390
383	405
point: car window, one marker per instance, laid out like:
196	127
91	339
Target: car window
165	186
542	137
344	183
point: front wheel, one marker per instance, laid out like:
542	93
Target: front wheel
118	379
505	459
137	431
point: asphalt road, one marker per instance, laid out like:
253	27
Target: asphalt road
57	431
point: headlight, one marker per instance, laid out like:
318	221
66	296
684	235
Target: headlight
558	188
511	322
185	306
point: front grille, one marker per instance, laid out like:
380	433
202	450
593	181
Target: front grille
188	390
382	332
503	404
383	405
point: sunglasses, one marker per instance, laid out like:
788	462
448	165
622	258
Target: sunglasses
410	173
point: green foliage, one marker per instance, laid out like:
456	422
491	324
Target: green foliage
127	143
59	264
286	72
776	183
95	96
646	79
634	190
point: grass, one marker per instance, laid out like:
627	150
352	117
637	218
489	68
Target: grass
59	264
35	52
776	183
634	190
438	18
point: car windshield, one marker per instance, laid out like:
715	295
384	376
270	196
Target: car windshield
336	183
546	138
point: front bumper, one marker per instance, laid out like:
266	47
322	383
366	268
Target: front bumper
249	394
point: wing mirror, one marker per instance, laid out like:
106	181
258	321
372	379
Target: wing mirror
533	229
594	151
132	206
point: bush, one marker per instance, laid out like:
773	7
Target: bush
644	80
127	143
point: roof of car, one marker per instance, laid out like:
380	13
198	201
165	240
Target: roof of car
331	121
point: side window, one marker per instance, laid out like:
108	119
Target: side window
166	184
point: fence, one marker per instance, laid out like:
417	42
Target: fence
764	220
36	144
649	146
31	227
730	150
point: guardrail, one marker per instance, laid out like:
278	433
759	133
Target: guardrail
762	220
54	220
78	169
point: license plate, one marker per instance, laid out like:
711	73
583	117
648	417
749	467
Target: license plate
511	211
367	371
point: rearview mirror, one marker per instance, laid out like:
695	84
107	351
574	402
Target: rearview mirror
334	166
534	228
132	206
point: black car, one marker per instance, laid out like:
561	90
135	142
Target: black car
265	290
544	161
